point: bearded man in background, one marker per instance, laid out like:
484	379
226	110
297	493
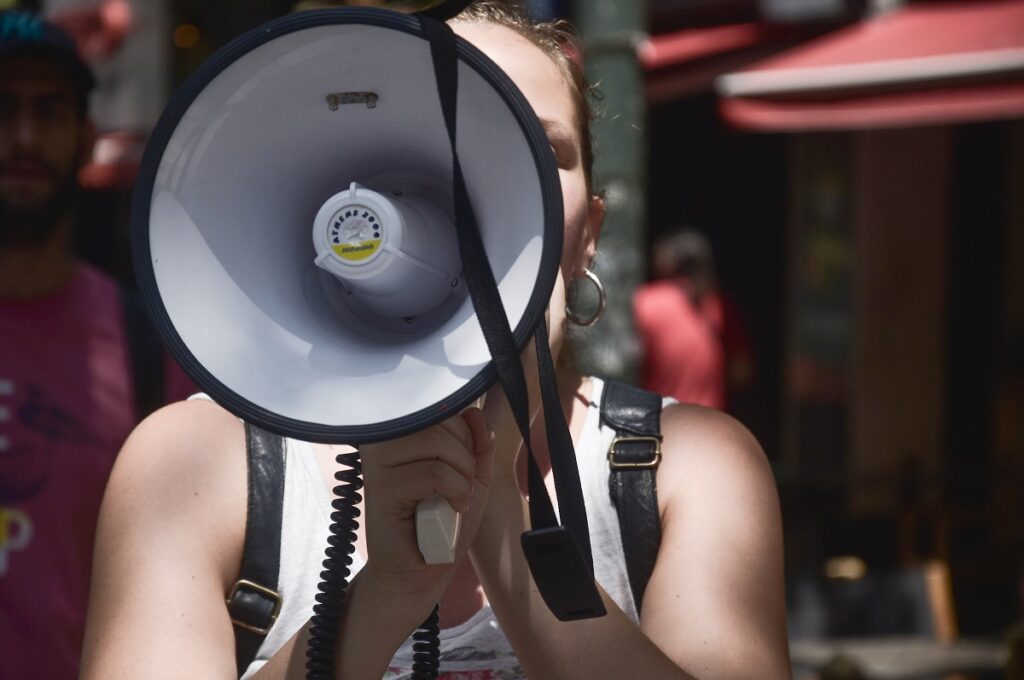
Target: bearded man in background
69	375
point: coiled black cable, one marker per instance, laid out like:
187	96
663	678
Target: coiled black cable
323	629
426	648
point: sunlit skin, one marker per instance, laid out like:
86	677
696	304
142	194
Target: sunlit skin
713	607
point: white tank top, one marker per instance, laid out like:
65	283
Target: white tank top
476	648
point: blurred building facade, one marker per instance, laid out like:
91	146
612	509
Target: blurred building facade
859	169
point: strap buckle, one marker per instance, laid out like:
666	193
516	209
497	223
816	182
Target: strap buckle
616	464
260	591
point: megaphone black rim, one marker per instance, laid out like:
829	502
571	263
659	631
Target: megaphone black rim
146	275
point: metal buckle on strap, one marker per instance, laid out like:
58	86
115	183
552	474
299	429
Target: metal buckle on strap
259	590
615	464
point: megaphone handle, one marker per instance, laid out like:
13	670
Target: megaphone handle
437	530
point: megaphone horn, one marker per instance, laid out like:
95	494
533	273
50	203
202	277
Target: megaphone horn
247	155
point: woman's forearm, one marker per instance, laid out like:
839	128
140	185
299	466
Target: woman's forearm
611	646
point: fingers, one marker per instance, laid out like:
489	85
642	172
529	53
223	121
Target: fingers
459	429
445	459
451	442
414	482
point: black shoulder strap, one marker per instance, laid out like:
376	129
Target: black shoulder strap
254	602
633	459
145	353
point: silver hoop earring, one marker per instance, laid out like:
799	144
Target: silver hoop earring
602	298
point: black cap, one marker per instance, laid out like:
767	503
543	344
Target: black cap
27	33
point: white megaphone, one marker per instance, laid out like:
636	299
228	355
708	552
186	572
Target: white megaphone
329	124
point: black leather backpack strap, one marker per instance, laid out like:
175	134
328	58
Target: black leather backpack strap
254	602
633	459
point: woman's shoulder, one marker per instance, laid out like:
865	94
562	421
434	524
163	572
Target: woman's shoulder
702	448
710	457
182	473
192	438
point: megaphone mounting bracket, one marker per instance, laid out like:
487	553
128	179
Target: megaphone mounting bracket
338	99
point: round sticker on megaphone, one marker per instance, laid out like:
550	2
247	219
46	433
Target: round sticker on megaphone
398	252
355	233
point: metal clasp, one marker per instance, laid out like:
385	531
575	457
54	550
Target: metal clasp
259	590
650	464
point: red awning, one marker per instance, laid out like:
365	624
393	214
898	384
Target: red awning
926	63
660	51
688	61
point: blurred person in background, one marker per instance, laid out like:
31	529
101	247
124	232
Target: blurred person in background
694	346
75	374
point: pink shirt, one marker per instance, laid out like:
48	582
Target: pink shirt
683	355
66	407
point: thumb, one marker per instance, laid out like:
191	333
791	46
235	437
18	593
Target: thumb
503	422
496	404
483	443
